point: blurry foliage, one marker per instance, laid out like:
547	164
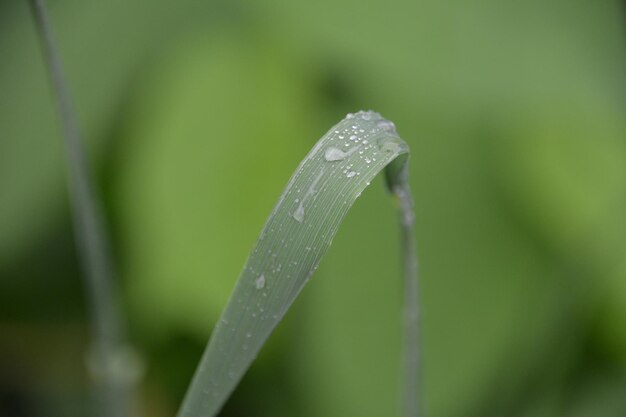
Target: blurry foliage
515	115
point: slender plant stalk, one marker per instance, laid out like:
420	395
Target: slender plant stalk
411	378
397	176
109	357
412	390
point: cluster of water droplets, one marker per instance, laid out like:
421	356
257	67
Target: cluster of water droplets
350	137
381	123
357	140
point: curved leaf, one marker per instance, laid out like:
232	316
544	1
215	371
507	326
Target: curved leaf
295	237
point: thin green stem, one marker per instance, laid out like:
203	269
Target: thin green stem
109	360
397	176
411	370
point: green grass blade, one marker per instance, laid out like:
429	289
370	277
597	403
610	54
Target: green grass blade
295	237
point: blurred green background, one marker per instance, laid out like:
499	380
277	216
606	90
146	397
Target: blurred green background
197	112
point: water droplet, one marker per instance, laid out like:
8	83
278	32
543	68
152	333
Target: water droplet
350	174
248	335
390	147
299	213
260	282
386	125
335	154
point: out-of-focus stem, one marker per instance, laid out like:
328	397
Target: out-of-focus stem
113	366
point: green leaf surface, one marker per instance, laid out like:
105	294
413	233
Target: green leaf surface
297	234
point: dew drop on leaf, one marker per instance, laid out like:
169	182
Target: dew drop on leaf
260	282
